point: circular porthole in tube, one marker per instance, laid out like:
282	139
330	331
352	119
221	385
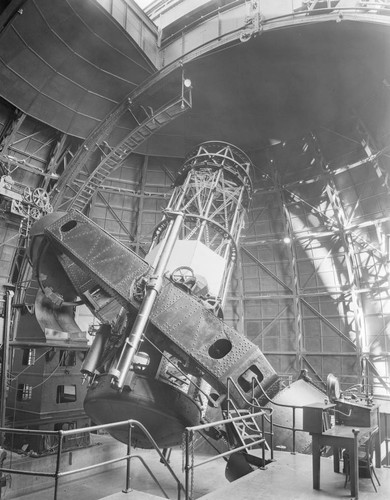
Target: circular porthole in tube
220	348
68	226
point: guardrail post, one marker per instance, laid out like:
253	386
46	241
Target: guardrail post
9	294
294	431
128	459
58	464
56	474
228	397
263	434
187	466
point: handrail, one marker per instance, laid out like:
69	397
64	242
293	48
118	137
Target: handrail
294	14
250	429
263	418
255	382
189	437
253	406
258	384
63	434
223	421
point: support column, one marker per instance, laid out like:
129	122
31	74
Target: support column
142	185
9	294
291	252
357	325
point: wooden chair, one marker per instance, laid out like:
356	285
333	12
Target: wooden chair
365	455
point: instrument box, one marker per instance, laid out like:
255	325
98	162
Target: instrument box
359	414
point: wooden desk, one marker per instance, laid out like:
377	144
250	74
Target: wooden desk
347	437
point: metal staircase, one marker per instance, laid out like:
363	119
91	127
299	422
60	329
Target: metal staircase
249	424
247	431
86	187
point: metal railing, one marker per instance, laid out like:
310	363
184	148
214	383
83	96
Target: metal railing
189	463
306	9
294	408
253	405
57	474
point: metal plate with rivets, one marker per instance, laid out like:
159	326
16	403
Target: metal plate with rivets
178	316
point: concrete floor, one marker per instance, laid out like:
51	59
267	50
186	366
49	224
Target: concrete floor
289	477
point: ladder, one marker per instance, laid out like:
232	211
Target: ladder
113	159
24	230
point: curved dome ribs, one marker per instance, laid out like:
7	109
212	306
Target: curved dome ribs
70	64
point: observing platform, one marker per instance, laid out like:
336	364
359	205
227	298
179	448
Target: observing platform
289	476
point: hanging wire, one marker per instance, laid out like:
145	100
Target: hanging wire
29	366
51	374
46	379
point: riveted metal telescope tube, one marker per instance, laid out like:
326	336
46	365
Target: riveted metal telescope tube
153	288
213	189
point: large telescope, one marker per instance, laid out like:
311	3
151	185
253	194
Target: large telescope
163	352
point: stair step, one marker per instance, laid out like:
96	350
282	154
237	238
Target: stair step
145	131
239	412
83	196
99	175
79	206
152	126
248	430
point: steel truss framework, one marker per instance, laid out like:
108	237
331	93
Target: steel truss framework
357	244
356	240
32	157
346	241
213	190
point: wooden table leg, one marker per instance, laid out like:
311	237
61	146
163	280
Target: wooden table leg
336	459
378	440
354	465
316	461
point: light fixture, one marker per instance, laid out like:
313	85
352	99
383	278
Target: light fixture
286	240
187	83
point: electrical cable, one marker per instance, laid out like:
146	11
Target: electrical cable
29	366
51	374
